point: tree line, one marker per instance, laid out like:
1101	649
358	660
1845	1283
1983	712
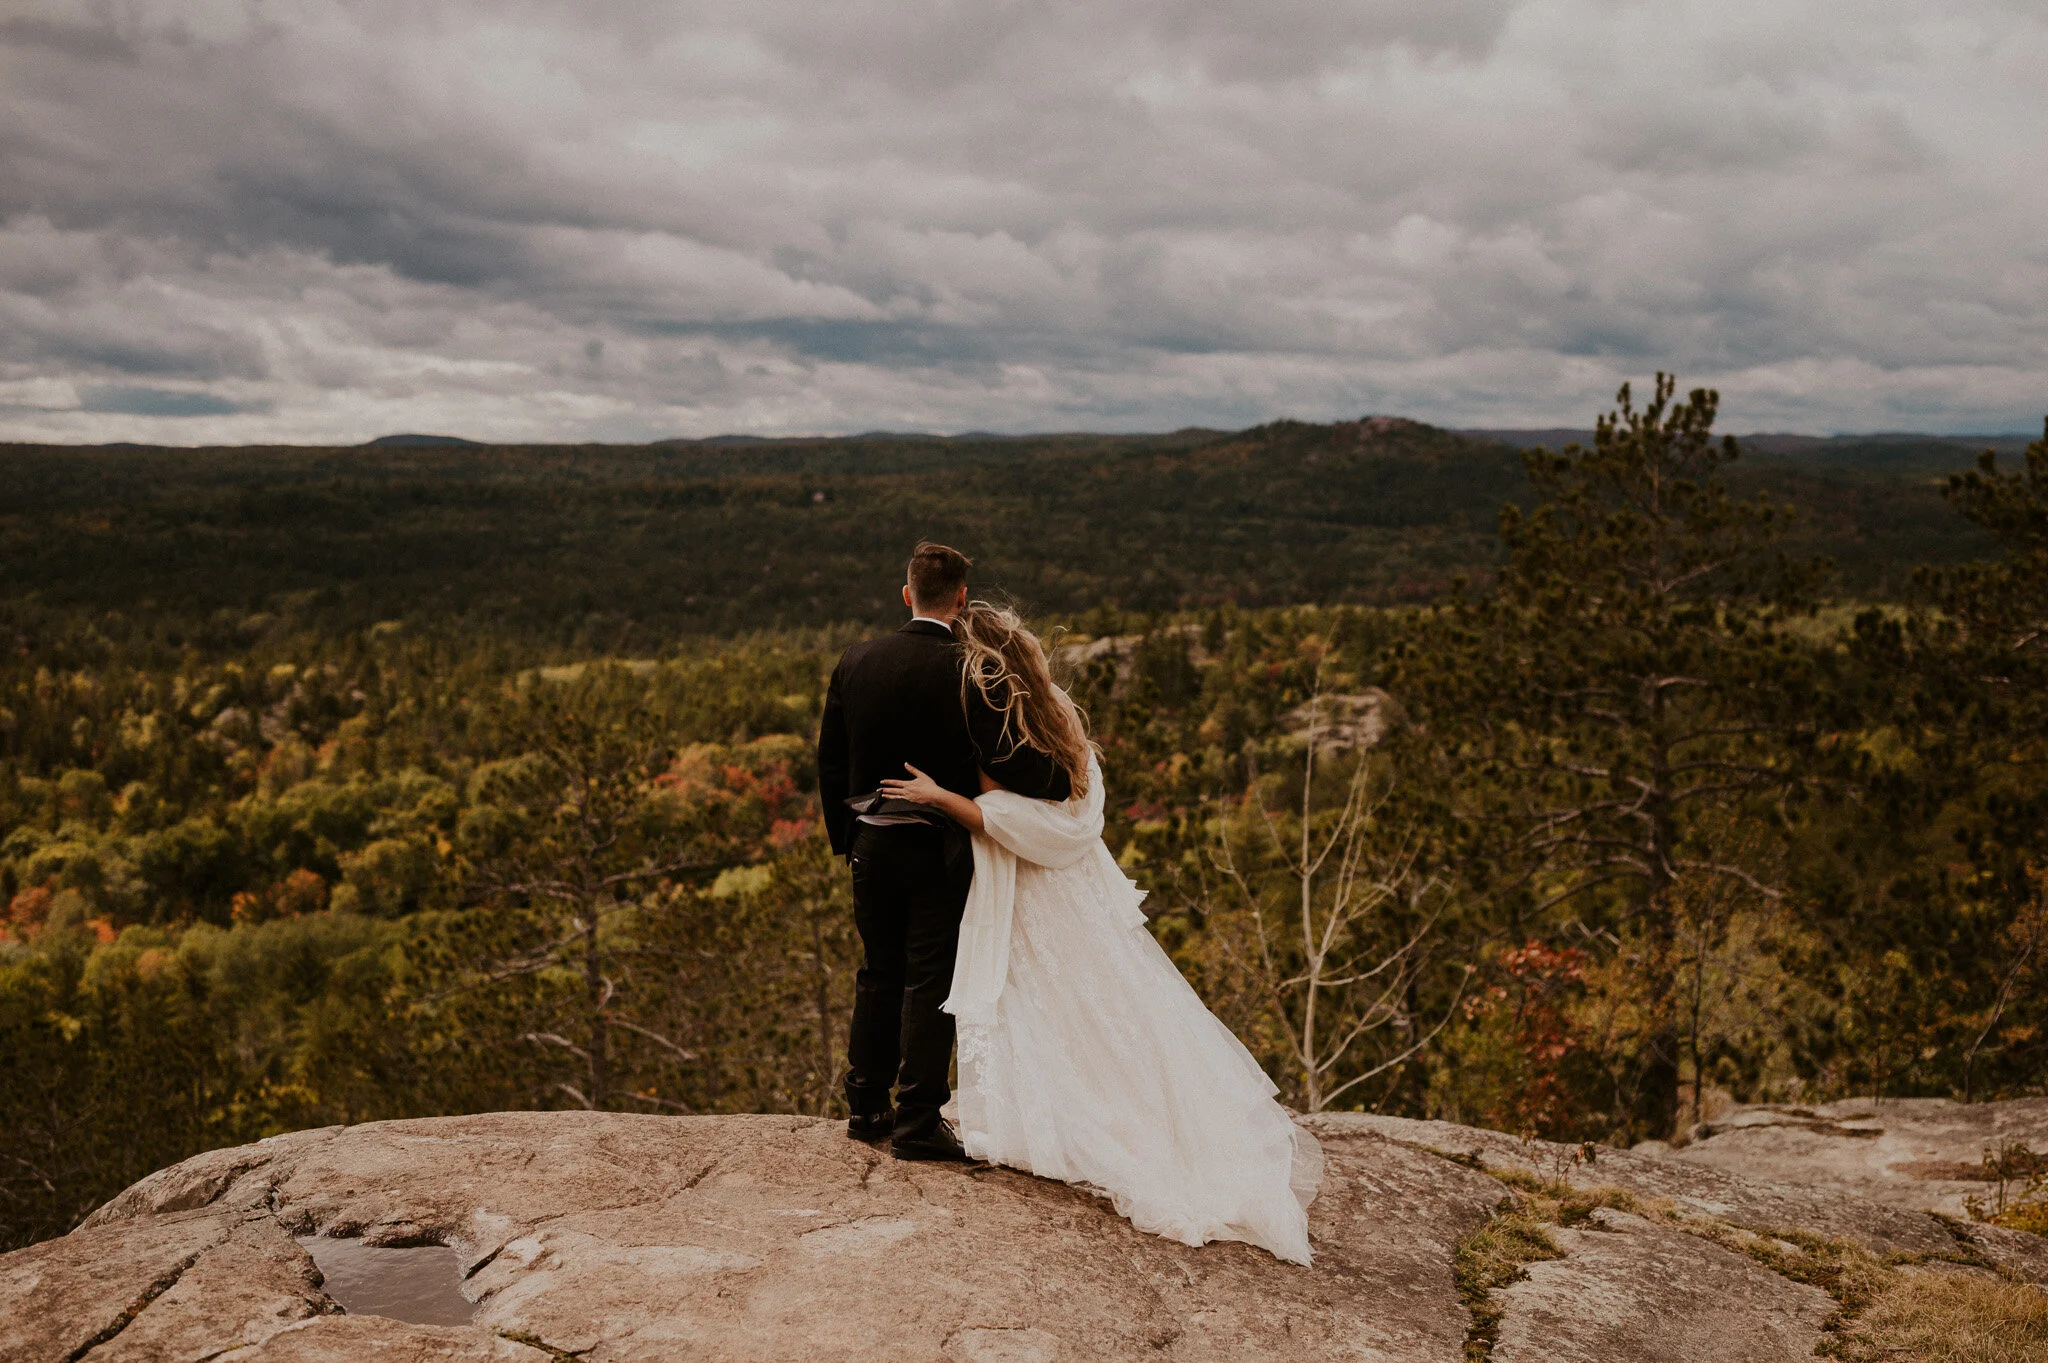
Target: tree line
588	551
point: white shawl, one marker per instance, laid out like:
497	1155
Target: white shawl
1057	836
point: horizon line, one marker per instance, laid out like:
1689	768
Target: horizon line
420	439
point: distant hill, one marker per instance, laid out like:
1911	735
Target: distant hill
1892	448
418	442
630	545
1528	438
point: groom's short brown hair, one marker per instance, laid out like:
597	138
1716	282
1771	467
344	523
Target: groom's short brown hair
937	573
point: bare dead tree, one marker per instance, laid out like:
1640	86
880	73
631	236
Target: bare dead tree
1323	952
2026	937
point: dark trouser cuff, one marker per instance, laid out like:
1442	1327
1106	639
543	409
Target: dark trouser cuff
866	1100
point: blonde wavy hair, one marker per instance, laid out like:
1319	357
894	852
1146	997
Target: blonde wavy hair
1007	664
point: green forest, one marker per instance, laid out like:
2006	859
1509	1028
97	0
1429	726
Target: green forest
1562	791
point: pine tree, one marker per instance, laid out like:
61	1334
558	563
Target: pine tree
1626	684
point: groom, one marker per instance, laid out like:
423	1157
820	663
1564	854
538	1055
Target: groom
893	703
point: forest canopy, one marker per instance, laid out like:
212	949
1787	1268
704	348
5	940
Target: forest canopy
1660	773
621	549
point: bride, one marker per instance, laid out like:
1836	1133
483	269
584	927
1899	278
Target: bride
1084	1056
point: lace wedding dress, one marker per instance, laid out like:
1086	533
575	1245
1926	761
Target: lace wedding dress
1086	1057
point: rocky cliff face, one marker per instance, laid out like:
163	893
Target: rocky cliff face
618	1237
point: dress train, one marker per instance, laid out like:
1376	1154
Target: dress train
1085	1056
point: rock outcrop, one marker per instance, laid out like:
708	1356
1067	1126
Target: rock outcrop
1705	1191
618	1237
1628	1288
1922	1153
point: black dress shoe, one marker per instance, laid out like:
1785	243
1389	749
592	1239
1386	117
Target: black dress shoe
872	1127
937	1144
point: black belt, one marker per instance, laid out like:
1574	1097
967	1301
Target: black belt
877	810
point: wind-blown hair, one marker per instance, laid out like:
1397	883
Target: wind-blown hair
1007	664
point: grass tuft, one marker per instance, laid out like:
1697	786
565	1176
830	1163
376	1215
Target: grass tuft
1951	1317
1947	1307
1496	1254
1566	1204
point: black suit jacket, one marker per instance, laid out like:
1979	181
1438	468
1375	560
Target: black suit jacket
896	699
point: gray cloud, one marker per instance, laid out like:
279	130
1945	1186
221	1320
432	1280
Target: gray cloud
328	219
170	402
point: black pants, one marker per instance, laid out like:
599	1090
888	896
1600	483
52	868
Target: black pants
909	890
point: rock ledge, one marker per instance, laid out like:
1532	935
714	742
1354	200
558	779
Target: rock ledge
619	1237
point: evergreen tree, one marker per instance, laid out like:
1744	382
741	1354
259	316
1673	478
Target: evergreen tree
1628	682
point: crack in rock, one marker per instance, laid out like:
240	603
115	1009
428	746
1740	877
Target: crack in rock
693	1180
484	1263
1819	1127
869	1235
163	1284
1003	1344
533	1341
650	1200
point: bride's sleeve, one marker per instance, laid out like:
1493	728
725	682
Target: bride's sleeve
1041	831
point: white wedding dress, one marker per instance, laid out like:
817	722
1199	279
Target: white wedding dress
1086	1057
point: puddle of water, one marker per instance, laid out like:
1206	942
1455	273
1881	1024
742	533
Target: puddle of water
421	1286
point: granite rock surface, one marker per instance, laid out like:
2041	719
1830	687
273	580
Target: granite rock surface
614	1237
1925	1154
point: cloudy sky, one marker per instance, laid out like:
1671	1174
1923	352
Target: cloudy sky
325	220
